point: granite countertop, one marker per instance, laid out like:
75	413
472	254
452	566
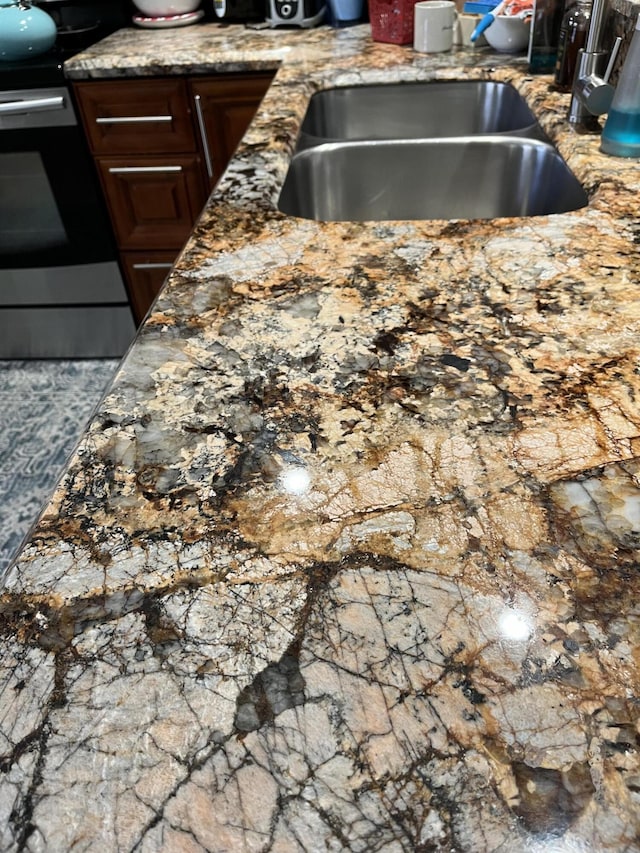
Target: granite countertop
348	556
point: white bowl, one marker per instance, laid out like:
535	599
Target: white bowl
164	8
508	34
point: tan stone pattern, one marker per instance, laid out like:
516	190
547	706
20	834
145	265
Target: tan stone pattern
348	557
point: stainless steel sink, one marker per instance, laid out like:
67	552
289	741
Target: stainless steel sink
416	111
455	178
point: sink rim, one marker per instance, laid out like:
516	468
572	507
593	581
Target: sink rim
307	138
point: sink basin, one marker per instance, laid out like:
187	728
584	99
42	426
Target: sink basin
454	178
416	111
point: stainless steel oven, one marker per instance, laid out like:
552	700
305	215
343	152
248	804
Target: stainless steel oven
61	290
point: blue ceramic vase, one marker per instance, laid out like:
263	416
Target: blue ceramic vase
25	30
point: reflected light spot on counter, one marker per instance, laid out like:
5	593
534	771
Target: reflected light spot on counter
295	481
514	625
554	844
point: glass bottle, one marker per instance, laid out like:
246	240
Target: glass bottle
621	132
573	35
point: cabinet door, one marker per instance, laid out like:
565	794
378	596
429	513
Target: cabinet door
137	116
224	107
153	201
145	273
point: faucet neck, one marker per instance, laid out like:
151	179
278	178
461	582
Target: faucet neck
596	24
591	94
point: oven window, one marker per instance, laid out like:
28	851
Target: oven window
29	216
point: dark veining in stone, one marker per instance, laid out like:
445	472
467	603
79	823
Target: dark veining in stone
550	800
278	687
453	360
432	645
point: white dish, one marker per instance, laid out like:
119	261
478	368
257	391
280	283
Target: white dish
168	21
164	8
508	33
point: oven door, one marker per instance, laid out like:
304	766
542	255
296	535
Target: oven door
61	292
51	213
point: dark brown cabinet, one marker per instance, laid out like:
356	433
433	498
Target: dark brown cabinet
160	146
224	108
137	116
146	273
154	200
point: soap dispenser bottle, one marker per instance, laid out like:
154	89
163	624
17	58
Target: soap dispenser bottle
573	36
621	133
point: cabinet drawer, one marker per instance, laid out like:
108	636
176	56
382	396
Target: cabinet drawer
131	117
153	201
145	273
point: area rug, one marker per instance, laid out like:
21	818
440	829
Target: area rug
44	408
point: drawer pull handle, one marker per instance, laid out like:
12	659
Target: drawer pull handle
132	119
203	137
117	170
152	266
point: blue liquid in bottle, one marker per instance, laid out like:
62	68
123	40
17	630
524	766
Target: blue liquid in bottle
621	134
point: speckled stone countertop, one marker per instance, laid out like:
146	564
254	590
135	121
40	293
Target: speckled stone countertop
348	557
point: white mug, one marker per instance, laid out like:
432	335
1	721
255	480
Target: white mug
433	25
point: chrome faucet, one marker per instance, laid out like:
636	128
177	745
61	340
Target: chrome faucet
592	93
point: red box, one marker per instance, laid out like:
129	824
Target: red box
392	20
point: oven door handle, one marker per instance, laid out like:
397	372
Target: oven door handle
14	108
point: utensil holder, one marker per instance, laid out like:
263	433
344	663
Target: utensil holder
392	20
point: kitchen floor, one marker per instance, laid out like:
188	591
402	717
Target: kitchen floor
44	408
